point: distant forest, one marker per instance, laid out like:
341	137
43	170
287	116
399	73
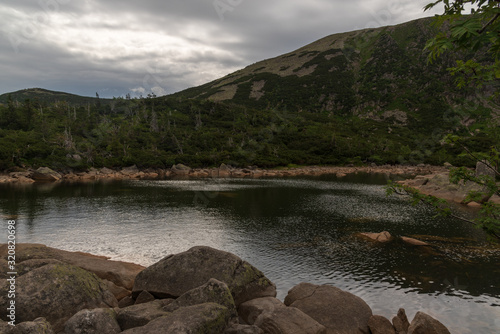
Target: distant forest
159	132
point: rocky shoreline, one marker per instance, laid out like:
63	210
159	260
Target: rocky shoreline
202	290
44	174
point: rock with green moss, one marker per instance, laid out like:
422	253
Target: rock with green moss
95	321
208	318
141	314
177	274
37	326
56	292
213	291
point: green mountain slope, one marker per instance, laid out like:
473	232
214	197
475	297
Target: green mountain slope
380	74
367	96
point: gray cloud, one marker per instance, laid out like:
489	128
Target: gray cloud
119	47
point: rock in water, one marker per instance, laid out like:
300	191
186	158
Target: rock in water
339	311
56	292
177	274
425	324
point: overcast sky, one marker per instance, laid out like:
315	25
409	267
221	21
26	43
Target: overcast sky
115	47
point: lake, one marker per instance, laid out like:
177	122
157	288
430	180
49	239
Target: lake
293	229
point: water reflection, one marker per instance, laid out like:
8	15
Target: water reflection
293	229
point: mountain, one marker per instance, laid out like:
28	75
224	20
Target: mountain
381	74
361	97
48	96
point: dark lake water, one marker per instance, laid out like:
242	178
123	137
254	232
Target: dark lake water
294	230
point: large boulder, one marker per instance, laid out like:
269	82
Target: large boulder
176	274
380	325
208	318
56	292
37	326
213	291
141	314
46	174
485	168
181	170
339	311
120	273
95	321
425	324
273	317
400	322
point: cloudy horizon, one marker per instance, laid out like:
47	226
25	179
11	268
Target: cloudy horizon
128	47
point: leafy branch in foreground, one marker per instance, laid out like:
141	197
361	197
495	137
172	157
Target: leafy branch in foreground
469	33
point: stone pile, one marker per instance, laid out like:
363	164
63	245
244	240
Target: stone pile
202	290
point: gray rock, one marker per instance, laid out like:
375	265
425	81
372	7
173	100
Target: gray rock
380	325
243	329
339	311
209	318
213	291
400	322
144	297
130	170
425	324
95	321
273	317
46	174
252	309
127	301
140	315
483	168
120	273
37	326
5	327
177	274
56	292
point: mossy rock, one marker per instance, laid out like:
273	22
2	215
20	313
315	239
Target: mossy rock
56	292
177	274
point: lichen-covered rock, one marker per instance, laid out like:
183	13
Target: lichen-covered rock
37	326
380	325
339	311
177	274
425	324
120	273
213	291
273	317
243	329
56	292
208	318
141	314
95	321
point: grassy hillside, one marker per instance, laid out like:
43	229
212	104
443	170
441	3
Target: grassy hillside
380	74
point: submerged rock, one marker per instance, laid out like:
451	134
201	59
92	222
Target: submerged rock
381	237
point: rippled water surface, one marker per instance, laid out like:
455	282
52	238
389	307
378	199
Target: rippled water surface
294	230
